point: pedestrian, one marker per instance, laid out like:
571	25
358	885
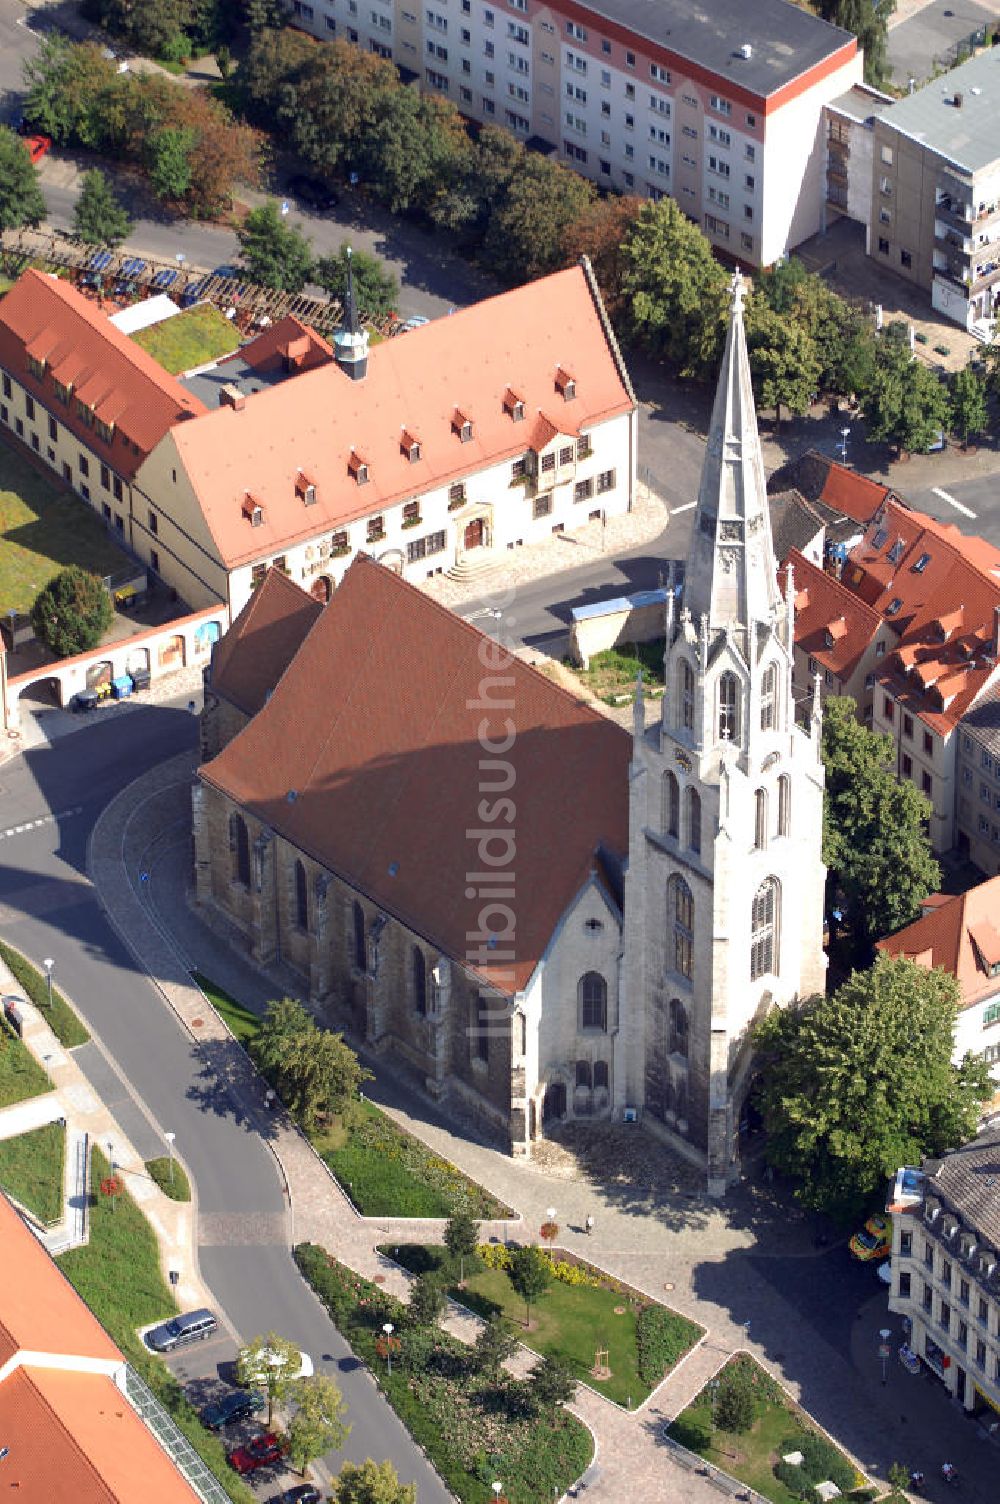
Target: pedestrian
589	1225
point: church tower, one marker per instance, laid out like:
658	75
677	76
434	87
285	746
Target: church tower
724	889
350	343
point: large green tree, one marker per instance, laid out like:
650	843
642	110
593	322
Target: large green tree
274	254
906	403
495	1343
969	416
412	149
528	226
674	291
375	289
530	1274
869	21
875	844
270	1363
21	201
98	217
314	1071
784	364
461	1237
317	1424
72	612
371	1483
551	1384
169	156
859	1083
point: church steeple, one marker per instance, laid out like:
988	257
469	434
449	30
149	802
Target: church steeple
350	343
730	576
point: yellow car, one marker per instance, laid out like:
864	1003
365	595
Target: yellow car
874	1241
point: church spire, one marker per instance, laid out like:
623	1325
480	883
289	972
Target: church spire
350	343
730	578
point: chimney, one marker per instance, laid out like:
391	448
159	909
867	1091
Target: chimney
746	51
959	99
231	396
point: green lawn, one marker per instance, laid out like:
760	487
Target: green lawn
613	671
118	1275
569	1322
780	1427
42	529
170	1177
20	1074
31	1170
189	339
61	1019
244	1024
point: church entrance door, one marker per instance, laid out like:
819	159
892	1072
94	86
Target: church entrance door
474	534
554	1102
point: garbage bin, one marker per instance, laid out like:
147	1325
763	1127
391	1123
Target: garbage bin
139	677
121	687
84	700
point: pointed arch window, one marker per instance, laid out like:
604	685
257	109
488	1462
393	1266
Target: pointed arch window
769	698
360	939
671	805
680	919
784	805
239	846
592	999
419	972
694	820
600	1075
685	694
678	1037
764	927
760	819
729	707
301	897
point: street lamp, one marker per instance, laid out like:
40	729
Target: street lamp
48	963
884	1350
713	1389
170	1153
845	434
388	1329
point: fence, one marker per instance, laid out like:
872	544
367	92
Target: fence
959	51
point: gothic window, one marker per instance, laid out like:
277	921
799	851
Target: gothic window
583	1073
694	819
769	698
301	898
239	846
601	1075
678	1038
671	805
685	676
592	997
680	913
419	966
729	707
760	819
765	920
360	945
784	805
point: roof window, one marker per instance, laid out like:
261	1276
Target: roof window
881	538
893	606
921	563
896	552
565	384
514	405
305	488
410	446
358	468
252	509
461	425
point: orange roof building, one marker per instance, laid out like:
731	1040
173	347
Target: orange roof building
70	1434
837	636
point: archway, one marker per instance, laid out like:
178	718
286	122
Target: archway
44	693
138	658
474	535
99	674
554	1102
171	653
322	589
392	559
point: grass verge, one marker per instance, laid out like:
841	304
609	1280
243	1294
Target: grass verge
118	1275
385	1170
473	1429
170	1177
31	1170
571	1320
21	1076
189	339
61	1018
612	673
754	1456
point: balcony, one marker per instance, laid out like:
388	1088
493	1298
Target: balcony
956	214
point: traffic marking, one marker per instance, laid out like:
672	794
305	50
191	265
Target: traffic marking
958	505
17	830
688	506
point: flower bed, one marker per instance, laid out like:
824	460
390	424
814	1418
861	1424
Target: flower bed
473	1429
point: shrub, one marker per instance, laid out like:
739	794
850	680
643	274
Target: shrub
821	1461
426	1300
736	1402
72	612
661	1338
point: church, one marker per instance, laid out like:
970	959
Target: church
539	915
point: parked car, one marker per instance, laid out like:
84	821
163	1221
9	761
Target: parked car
302	1493
37	146
237	1404
908	1358
416	322
192	1326
313	192
260	1452
874	1241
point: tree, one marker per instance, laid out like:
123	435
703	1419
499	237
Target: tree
98	218
64	84
783	361
317	1424
411	150
275	254
313	1070
527	227
495	1343
552	1384
735	1401
530	1275
969	417
674	291
21	201
461	1238
868	19
72	612
170	153
270	1363
600	232
154	28
859	1083
874	841
426	1300
375	289
906	403
371	1483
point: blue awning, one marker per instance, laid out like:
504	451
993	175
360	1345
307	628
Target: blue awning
166	278
101	260
133	267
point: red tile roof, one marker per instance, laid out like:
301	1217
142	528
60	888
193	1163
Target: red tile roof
467	362
287	344
823	604
262	641
376	728
44	317
819	478
960	936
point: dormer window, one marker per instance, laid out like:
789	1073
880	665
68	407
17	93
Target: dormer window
921	563
893	606
896	552
253	510
880	539
358	468
410	446
462	425
514	405
565	384
61	392
36	367
305	489
84	413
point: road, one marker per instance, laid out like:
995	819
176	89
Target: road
47	908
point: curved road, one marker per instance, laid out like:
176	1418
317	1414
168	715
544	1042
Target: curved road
49	800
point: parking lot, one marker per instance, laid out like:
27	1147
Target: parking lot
926	40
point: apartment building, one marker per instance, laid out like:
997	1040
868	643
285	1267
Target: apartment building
722	108
945	1275
977	818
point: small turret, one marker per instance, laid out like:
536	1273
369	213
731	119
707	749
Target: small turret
350	343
